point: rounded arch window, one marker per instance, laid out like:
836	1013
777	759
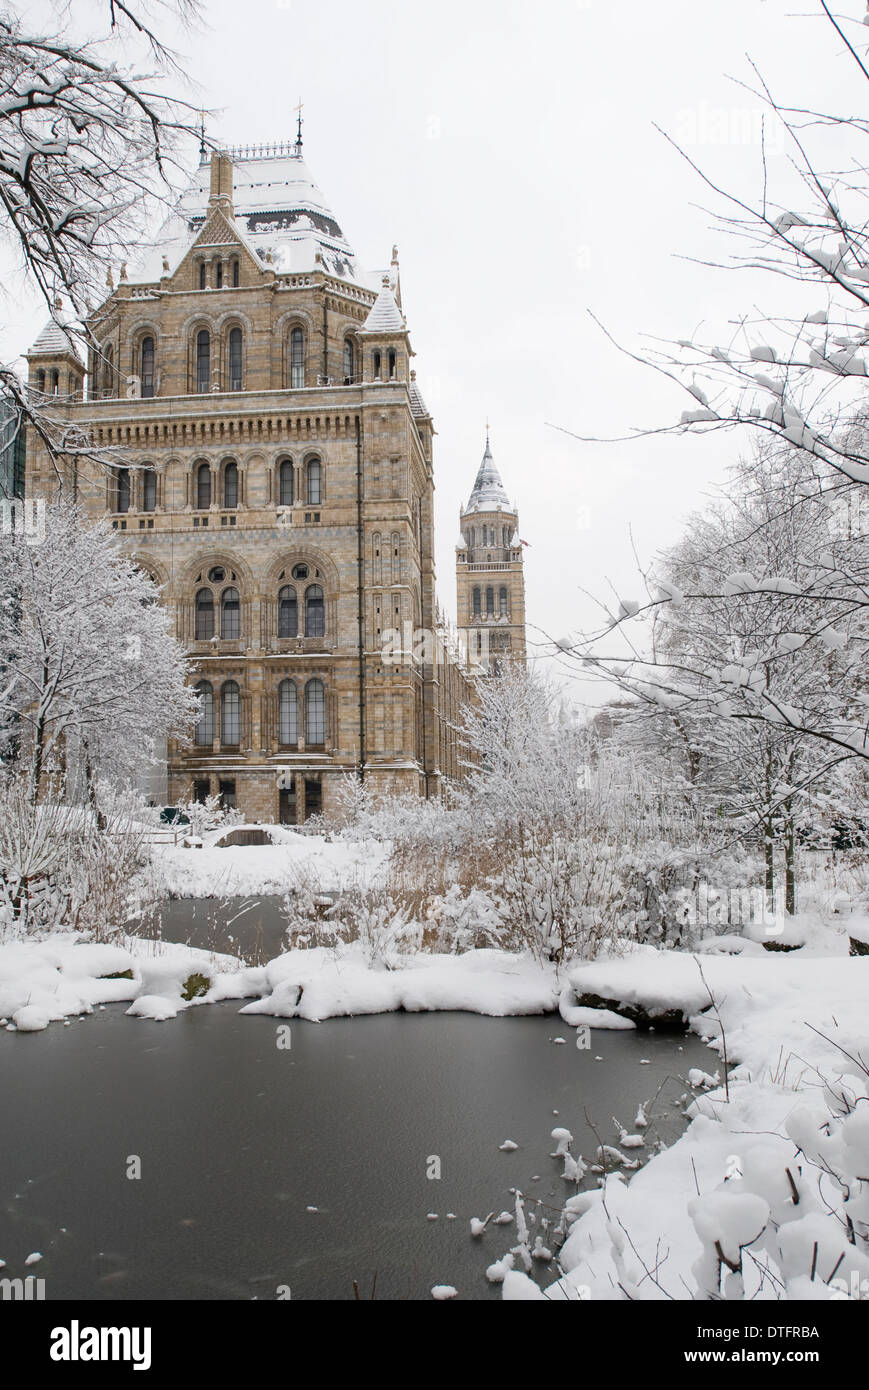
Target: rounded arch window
146	366
315	712
490	603
235	273
315	611
477	603
123	490
149	490
219	275
108	370
230	486
285	482
203	360
230	615
502	601
235	380
202	274
230	714
297	358
204	735
40	380
288	714
203	487
288	612
315	482
349	361
204	628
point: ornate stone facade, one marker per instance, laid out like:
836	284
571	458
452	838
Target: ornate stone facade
275	476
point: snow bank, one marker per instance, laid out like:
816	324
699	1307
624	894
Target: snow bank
321	984
242	870
790	1023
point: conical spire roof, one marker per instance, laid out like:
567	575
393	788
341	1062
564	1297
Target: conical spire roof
488	494
54	339
385	316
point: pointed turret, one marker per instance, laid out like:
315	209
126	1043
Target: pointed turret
56	368
490	580
488	493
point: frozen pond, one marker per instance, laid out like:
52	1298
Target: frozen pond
238	1138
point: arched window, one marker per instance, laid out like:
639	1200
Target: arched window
230	714
40	381
108	370
204	629
230	486
146	366
348	362
149	490
315	712
505	532
285	483
288	714
204	735
235	360
376	360
315	612
235	273
490	603
288	612
315	482
55	382
230	615
502	601
123	493
203	487
202	274
392	362
477	603
203	360
219	275
471	538
297	358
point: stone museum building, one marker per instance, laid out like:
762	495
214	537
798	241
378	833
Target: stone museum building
277	482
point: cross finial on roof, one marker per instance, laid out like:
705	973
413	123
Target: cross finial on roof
203	152
299	110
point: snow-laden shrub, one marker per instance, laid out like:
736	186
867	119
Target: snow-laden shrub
210	814
67	865
461	920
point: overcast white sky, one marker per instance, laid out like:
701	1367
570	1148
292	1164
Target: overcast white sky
509	150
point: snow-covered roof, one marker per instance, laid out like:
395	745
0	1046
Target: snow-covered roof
385	315
488	494
418	407
55	339
278	207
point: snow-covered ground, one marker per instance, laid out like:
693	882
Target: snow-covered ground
213	871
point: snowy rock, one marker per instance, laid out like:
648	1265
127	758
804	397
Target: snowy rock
440	1292
30	1019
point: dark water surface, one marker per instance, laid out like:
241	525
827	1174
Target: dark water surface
237	1138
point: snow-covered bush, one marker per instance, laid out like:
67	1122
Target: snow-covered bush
210	814
67	865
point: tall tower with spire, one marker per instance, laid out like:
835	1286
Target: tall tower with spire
490	577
